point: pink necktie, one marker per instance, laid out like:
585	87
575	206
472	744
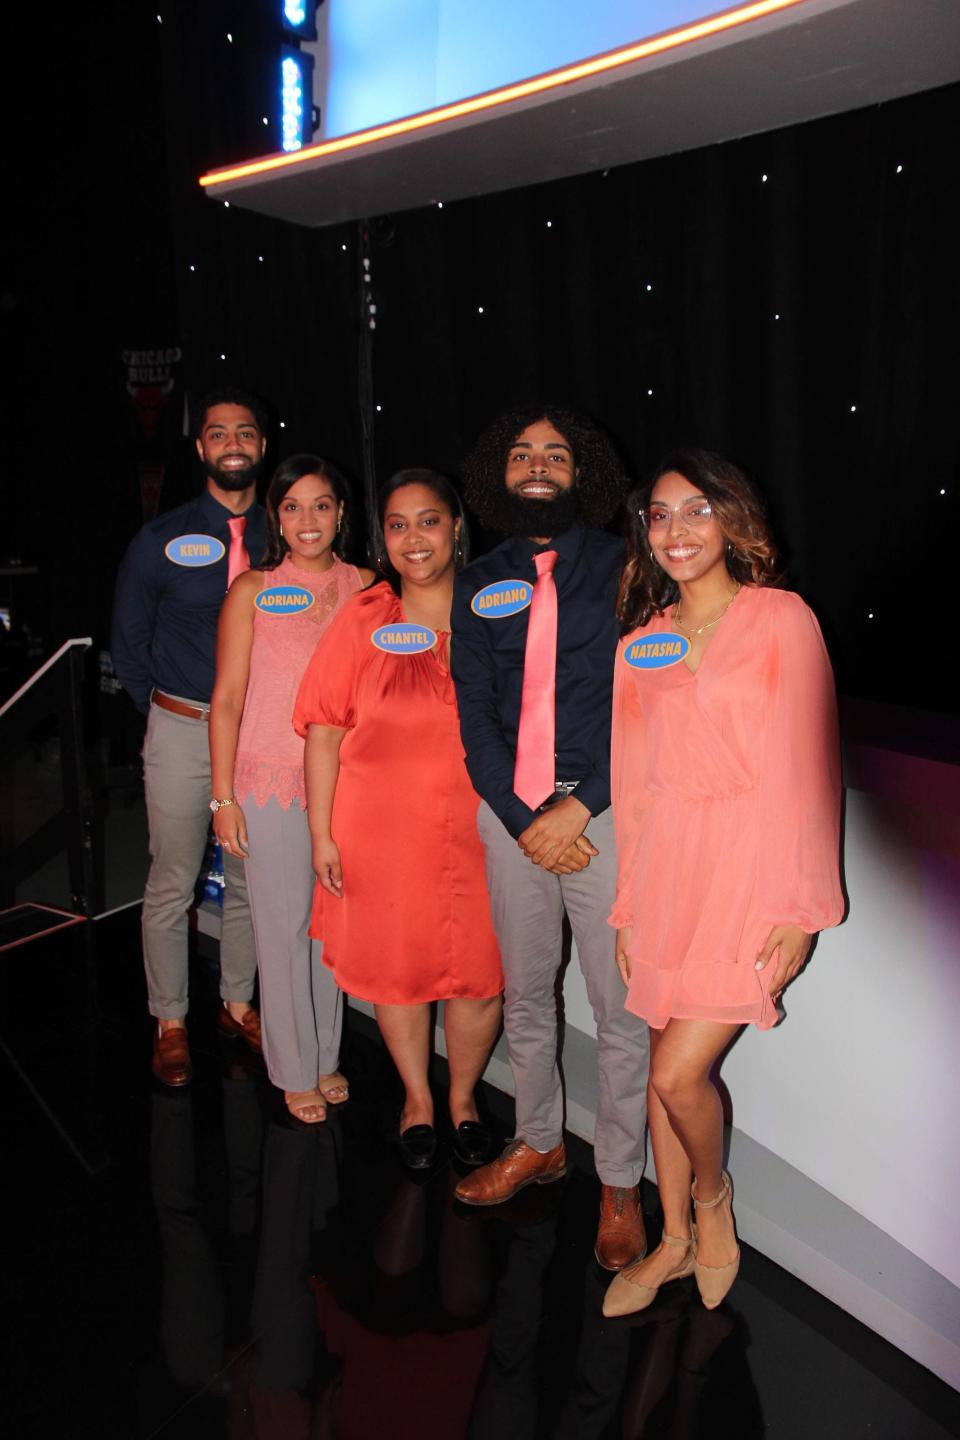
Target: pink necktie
534	774
238	560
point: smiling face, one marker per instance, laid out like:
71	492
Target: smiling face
686	550
541	478
231	446
308	516
420	534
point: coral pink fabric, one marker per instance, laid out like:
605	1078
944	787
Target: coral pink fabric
414	922
726	802
269	751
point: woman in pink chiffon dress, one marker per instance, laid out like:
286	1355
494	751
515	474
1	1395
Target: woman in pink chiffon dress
726	801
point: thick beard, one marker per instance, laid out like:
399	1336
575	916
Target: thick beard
510	514
233	479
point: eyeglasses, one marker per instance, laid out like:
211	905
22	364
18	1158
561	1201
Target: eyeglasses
691	512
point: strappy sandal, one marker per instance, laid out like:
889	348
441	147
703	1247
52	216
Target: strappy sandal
625	1296
302	1104
714	1281
334	1088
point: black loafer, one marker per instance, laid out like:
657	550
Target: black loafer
473	1143
418	1147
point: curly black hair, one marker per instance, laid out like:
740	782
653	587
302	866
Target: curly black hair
601	484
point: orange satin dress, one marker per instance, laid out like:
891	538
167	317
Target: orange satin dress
726	805
413	924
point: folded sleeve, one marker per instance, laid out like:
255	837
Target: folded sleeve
628	792
328	690
799	859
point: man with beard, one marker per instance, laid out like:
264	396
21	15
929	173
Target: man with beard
535	637
171	585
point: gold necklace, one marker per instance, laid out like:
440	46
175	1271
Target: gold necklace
710	623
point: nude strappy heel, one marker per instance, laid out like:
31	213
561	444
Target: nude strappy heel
625	1296
714	1281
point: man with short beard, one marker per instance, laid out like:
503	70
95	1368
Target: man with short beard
535	638
169	591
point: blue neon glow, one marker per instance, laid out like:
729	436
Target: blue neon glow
292	102
295	11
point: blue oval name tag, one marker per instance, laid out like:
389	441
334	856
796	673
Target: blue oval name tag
404	639
194	550
504	597
656	652
284	600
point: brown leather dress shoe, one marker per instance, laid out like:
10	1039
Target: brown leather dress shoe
246	1028
517	1166
171	1057
621	1237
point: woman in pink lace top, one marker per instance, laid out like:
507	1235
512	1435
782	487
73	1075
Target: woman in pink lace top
726	802
270	624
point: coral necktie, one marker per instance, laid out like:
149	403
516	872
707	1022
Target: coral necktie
238	560
534	774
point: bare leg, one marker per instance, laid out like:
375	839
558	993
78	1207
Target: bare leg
406	1032
680	1079
471	1028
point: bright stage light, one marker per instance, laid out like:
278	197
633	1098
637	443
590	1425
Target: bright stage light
296	98
298	17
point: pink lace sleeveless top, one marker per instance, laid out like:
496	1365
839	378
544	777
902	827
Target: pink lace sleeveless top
293	609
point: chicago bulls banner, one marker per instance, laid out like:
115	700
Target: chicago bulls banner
153	379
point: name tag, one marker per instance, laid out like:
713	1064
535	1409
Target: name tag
656	652
194	550
505	597
284	600
403	639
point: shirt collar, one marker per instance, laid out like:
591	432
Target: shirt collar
218	514
568	546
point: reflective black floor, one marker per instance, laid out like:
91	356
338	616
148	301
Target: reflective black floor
191	1264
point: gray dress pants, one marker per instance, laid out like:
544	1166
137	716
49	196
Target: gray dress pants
528	904
176	777
301	1008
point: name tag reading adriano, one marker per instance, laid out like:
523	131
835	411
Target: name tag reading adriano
504	597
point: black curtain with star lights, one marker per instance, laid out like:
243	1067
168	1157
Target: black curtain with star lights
788	299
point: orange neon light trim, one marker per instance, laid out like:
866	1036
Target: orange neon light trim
598	65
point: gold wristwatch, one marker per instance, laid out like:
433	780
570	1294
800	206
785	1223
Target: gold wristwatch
216	805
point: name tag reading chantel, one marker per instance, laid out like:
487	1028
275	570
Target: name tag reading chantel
404	639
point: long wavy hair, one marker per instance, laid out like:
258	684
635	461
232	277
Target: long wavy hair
645	588
287	473
601	479
447	495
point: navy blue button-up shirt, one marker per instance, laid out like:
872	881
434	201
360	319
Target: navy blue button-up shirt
487	661
165	613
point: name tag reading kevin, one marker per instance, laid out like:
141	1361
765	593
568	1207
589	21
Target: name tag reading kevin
284	600
194	550
504	597
404	639
656	652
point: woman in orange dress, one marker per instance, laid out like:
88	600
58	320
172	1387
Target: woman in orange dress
726	801
401	900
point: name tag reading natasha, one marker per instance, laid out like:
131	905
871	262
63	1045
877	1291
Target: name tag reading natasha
504	597
194	550
404	639
284	600
656	652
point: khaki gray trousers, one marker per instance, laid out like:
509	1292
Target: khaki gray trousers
301	1008
176	778
528	905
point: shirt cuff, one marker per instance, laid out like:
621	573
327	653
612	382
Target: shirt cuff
516	817
594	792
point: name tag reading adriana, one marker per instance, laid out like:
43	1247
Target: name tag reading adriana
404	639
656	652
284	600
195	550
504	597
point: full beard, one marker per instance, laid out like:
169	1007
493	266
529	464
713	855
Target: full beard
513	515
240	479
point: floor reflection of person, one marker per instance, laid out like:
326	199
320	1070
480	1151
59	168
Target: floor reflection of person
726	798
270	625
401	900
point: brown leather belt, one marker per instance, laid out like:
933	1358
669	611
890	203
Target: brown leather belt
178	707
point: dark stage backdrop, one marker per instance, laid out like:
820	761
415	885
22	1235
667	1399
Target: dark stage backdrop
789	299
